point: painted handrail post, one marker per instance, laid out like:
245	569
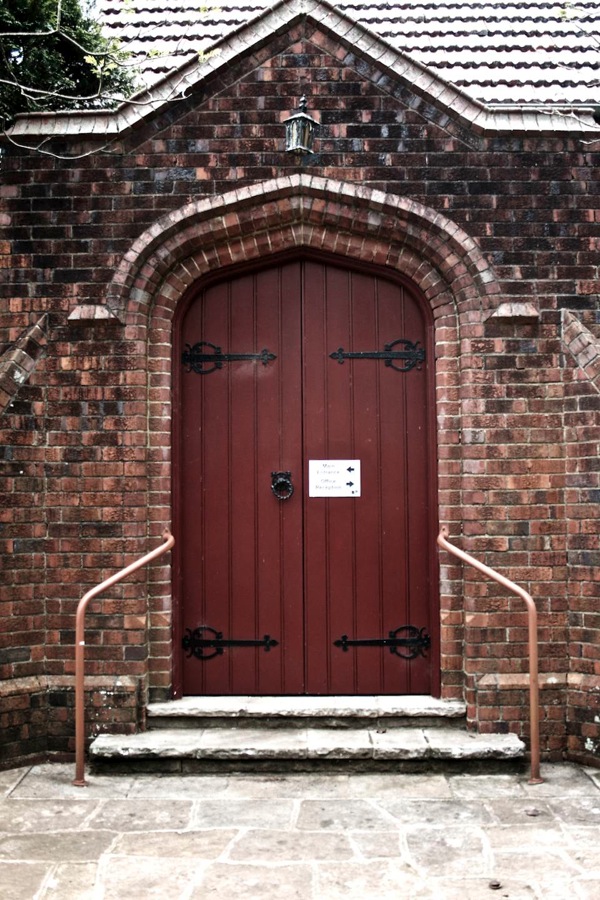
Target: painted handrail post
168	541
534	687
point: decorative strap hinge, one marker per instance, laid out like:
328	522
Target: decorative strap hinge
205	642
203	361
408	641
412	355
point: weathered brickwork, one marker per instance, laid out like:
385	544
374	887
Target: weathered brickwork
500	233
582	495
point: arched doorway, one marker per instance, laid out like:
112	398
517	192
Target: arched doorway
323	580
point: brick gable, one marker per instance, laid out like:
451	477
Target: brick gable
497	228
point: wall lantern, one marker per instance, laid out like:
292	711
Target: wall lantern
300	131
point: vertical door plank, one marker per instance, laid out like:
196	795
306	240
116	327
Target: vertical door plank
205	531
341	512
395	424
278	443
422	522
243	377
317	549
370	617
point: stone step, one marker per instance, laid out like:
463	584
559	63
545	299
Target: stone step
195	733
187	750
302	712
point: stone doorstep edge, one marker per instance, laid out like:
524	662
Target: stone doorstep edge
313	707
218	744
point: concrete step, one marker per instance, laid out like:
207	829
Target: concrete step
303	712
185	750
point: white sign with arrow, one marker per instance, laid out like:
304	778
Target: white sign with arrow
334	478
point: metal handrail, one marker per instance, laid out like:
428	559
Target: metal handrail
168	541
534	688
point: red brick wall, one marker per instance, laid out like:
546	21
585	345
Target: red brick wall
476	221
581	335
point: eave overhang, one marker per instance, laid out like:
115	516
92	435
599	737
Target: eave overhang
105	126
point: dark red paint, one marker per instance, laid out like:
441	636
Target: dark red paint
306	570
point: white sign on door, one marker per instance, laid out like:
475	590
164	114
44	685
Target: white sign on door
334	478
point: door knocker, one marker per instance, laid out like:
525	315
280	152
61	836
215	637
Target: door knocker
281	485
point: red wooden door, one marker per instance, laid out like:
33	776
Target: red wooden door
302	594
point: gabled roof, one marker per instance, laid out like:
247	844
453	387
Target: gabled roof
354	39
497	52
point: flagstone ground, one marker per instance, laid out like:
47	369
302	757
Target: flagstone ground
319	836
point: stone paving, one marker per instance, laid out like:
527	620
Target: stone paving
306	836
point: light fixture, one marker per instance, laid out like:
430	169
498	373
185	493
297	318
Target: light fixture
300	131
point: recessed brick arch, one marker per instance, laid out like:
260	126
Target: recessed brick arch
301	211
305	213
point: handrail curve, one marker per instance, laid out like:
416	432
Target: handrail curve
534	688
168	542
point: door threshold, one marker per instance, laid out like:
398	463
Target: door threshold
413	705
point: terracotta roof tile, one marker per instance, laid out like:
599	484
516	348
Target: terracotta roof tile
497	52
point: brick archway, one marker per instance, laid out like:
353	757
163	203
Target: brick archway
262	220
302	211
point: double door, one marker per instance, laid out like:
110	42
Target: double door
305	466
